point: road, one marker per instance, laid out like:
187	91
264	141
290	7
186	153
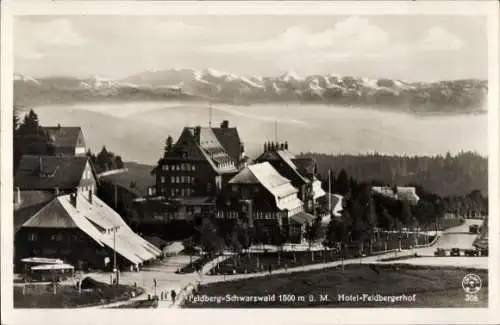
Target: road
168	280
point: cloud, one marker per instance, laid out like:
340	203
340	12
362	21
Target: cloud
439	39
353	34
33	39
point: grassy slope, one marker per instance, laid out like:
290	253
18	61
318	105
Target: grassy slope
138	173
434	287
41	296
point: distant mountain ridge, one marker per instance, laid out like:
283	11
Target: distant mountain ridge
456	96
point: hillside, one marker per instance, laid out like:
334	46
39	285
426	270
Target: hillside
137	179
443	175
457	96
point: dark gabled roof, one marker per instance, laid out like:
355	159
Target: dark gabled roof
49	172
305	166
230	140
287	158
63	136
31	203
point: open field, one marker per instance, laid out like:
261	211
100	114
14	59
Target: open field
432	286
67	296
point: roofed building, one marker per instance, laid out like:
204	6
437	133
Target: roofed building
201	161
264	199
407	194
193	173
66	140
38	179
81	229
301	171
49	173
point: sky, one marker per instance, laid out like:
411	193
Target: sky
411	48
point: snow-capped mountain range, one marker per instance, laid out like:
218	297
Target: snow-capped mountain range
209	84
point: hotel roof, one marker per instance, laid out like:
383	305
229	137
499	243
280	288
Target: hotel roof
279	186
98	221
49	172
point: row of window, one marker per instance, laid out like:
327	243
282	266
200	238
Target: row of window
54	237
246	189
178	179
179	167
178	192
86	189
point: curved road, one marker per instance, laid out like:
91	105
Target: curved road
168	280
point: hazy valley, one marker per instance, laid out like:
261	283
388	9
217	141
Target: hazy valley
137	130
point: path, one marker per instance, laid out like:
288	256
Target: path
168	280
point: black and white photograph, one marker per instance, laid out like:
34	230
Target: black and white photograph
338	161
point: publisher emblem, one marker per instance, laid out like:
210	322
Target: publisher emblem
471	284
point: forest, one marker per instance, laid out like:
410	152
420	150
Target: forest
446	175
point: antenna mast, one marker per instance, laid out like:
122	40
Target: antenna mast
210	114
276	131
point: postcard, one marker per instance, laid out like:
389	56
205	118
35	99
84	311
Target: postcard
191	162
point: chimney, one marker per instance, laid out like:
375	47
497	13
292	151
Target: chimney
286	145
197	131
224	124
56	191
265	146
72	199
282	146
90	196
58	126
17	196
41	165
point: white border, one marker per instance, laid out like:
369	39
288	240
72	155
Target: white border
220	316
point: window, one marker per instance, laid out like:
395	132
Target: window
182	192
177	179
178	167
235	188
172	179
193	167
163	179
172	192
32	237
56	237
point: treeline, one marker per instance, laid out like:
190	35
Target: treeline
29	137
444	175
364	211
105	160
471	204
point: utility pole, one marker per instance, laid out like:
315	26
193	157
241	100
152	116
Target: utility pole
114	254
116	196
330	191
